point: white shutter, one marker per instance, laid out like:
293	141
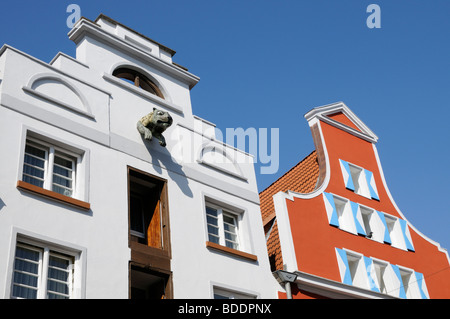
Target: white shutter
344	269
393	281
371	184
348	181
406	234
356	212
371	275
422	286
330	208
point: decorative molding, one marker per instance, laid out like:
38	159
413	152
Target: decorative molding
143	93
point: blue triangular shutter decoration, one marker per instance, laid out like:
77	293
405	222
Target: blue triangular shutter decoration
421	284
371	184
401	289
358	219
406	234
387	237
347	176
371	274
344	269
331	209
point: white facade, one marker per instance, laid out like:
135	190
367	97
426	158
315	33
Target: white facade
77	107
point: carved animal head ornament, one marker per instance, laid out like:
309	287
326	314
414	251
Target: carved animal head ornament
154	124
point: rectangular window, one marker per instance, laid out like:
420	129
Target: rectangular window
359	180
220	293
40	273
49	167
357	271
379	275
145	213
395	232
222	226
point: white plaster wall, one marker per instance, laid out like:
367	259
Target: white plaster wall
113	143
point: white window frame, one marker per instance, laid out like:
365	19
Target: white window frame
45	253
357	269
80	178
372	223
221	212
359	179
231	294
395	231
50	152
379	269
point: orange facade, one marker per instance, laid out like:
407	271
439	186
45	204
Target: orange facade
316	240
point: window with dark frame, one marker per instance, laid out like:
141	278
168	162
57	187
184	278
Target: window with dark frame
150	274
138	79
145	210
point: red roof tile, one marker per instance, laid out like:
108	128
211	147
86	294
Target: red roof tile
302	178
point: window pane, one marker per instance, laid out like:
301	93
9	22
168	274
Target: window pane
213	239
58	277
35	151
228	219
25	276
211	220
230	236
211	211
62	190
34	166
136	214
213	230
24	292
64	162
231	244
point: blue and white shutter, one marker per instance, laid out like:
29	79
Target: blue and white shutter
422	286
384	228
393	281
348	181
371	275
406	235
371	184
331	209
358	218
344	269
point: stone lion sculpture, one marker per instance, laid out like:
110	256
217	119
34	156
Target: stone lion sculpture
154	124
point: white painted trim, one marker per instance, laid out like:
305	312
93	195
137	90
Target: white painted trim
441	249
334	289
322	113
237	290
79	252
84	27
285	232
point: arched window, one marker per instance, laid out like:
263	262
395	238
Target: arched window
138	79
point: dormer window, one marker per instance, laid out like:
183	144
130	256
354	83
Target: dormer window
138	79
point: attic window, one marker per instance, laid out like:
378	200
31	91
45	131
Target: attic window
138	79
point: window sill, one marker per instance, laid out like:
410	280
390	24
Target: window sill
231	251
53	195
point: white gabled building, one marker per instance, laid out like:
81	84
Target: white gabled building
91	209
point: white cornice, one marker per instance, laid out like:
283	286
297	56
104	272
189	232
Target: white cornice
322	113
85	27
333	289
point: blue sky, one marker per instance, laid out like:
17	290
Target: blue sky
265	64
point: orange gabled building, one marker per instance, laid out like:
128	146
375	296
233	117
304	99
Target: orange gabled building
332	224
